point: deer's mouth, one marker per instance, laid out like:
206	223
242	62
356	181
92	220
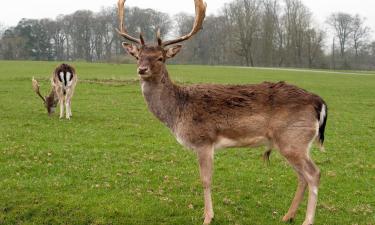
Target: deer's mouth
144	76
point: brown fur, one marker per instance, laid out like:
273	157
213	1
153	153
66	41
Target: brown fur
278	115
235	111
206	117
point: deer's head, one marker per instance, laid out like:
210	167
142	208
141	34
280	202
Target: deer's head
151	58
49	102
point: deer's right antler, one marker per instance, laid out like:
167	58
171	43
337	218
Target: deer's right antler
122	31
36	89
200	13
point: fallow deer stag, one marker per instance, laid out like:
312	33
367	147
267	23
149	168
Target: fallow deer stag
63	81
206	117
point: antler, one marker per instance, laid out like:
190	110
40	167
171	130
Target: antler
122	31
36	89
200	13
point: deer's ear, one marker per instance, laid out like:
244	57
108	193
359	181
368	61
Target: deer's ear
131	49
172	51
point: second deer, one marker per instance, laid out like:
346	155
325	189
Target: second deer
63	82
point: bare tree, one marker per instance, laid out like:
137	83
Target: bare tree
97	36
269	30
246	17
342	26
216	32
360	33
279	38
66	25
108	24
37	42
372	54
56	36
162	21
12	46
2	29
314	45
297	19
82	34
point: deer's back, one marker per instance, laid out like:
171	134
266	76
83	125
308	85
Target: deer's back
234	111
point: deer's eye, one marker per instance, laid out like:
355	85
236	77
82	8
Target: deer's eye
137	58
160	59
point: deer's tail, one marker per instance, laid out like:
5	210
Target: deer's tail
323	114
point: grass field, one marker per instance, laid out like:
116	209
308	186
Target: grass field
114	163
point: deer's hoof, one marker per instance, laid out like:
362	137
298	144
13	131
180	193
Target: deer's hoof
307	223
288	218
207	220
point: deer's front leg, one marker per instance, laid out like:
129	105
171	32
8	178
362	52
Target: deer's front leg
70	107
206	158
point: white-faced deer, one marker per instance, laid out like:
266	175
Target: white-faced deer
63	81
206	117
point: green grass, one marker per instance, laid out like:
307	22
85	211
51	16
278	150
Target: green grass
114	163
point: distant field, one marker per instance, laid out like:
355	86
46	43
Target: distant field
114	163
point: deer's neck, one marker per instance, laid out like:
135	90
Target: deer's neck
52	98
160	97
52	94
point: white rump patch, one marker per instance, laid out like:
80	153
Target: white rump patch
61	75
68	76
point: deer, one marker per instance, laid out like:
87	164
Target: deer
63	82
208	117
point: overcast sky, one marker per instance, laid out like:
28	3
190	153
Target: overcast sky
11	11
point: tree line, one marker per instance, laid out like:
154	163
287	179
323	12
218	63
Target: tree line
277	33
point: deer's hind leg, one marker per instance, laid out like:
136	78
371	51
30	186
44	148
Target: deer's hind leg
296	151
61	102
68	106
298	197
69	100
312	176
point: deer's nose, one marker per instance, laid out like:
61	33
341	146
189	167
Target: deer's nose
142	70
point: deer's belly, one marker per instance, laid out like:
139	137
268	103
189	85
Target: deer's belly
224	142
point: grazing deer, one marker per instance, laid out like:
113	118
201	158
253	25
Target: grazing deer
206	117
63	81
